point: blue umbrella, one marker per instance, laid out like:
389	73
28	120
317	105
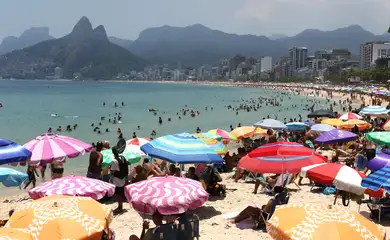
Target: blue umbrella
374	110
271	124
181	148
380	178
11	152
12	178
309	123
321	127
296	127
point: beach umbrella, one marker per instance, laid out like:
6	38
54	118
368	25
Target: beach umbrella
321	128
309	123
375	111
131	156
291	164
74	186
378	179
217	146
271	124
49	147
138	141
381	160
296	127
224	134
14	234
167	195
332	122
349	116
11	152
207	136
386	125
12	178
248	132
321	113
379	138
181	148
62	217
335	136
350	124
321	221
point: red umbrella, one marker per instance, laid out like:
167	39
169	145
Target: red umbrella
280	150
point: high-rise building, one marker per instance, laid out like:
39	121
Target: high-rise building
266	64
298	58
370	52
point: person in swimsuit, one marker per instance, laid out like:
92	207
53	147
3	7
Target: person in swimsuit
57	169
31	172
95	162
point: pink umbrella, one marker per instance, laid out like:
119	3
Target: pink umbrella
49	147
169	195
74	186
138	141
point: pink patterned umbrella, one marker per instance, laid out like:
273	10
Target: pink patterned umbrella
74	186
169	195
138	141
49	147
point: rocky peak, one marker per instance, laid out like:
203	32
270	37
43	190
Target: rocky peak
82	28
100	34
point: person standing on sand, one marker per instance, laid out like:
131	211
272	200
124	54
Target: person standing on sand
119	173
95	162
31	172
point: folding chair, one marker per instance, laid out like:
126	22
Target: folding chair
188	228
166	231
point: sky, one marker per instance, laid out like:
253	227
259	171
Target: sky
127	18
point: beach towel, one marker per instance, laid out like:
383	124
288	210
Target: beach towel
244	224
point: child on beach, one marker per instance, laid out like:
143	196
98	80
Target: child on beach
31	172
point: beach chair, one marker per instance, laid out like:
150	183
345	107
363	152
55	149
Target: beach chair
188	228
279	199
166	231
280	184
293	179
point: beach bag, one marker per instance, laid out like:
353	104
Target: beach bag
329	190
123	168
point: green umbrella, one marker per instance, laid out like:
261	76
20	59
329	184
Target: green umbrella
379	138
130	156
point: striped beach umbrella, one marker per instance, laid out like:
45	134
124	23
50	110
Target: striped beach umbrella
217	146
138	141
206	135
181	148
49	147
374	110
349	116
378	179
11	152
130	156
379	138
224	134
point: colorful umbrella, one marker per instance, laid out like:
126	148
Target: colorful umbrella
350	124
386	125
271	124
208	136
335	136
378	179
138	141
320	222
296	127
321	128
342	176
379	161
49	147
332	122
280	151
62	217
379	138
131	156
247	132
224	134
349	116
217	146
169	195
181	148
74	186
14	234
12	178
374	111
321	113
11	152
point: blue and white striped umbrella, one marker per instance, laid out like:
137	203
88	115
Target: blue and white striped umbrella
12	178
181	148
296	126
321	127
380	178
271	124
11	152
374	110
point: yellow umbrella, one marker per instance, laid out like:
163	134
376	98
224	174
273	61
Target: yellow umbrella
321	222
247	132
350	124
62	217
14	234
332	121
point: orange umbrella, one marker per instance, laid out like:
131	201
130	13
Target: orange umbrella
14	234
321	221
62	217
350	124
247	132
332	121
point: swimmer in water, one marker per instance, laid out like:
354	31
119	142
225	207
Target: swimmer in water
59	129
115	104
123	104
93	124
49	130
104	104
107	130
153	133
138	127
159	120
134	135
198	130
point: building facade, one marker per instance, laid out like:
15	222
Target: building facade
266	64
297	58
370	52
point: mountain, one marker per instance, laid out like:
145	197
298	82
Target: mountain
28	38
197	45
85	50
120	41
277	36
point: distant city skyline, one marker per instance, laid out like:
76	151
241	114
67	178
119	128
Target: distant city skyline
127	18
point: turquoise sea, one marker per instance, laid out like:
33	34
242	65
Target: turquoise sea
27	106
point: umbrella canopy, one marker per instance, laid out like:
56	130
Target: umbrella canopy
379	138
374	110
224	134
169	195
74	186
280	151
381	160
386	125
321	128
296	127
138	141
291	165
14	234
207	136
321	221
247	132
378	179
132	157
11	152
12	178
342	176
349	116
49	147
217	146
350	124
62	217
321	113
309	123
181	148
335	136
332	121
271	124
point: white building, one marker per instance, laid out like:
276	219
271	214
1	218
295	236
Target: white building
371	51
319	64
266	64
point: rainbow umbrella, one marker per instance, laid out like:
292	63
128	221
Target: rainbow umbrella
224	134
217	146
207	135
